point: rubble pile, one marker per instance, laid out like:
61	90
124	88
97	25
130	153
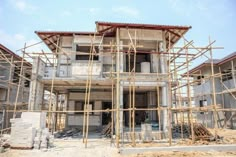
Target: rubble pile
4	142
106	130
43	139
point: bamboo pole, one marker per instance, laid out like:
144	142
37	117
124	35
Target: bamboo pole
118	88
51	91
112	96
189	99
90	71
214	91
133	86
169	96
20	81
222	97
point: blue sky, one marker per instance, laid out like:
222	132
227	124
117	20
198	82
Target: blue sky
20	18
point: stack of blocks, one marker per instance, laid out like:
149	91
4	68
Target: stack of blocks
30	131
22	134
41	139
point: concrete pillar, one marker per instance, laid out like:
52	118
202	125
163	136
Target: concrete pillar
119	86
59	56
155	65
164	89
151	101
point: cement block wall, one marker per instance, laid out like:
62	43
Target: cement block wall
23	91
97	98
36	87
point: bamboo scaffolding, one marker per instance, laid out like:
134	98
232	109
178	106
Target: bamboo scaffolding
20	81
179	88
214	91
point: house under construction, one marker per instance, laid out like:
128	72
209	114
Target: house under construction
123	74
225	84
14	84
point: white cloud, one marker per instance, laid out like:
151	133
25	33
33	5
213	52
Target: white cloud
184	8
94	10
127	11
19	37
66	13
22	5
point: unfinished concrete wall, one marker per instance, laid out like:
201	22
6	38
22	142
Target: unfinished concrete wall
36	87
141	34
82	69
76	119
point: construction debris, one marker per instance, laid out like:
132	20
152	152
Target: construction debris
181	131
4	142
29	131
184	131
201	132
42	139
22	134
74	133
146	132
106	130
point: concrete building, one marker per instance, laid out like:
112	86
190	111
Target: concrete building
225	90
121	51
11	83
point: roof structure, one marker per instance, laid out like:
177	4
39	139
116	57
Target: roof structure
8	53
109	29
215	62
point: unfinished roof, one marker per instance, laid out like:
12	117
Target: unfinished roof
109	29
227	58
215	62
8	54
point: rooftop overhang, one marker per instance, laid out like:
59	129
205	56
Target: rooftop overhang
108	29
8	54
50	38
196	70
175	32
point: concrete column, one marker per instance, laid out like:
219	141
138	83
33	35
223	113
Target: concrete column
54	115
59	56
119	86
66	103
101	58
73	50
151	101
155	65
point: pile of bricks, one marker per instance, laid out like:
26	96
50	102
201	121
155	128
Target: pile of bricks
30	131
22	134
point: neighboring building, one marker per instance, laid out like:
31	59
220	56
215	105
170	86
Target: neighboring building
225	89
72	66
10	66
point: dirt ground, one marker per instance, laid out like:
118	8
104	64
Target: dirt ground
69	148
102	148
